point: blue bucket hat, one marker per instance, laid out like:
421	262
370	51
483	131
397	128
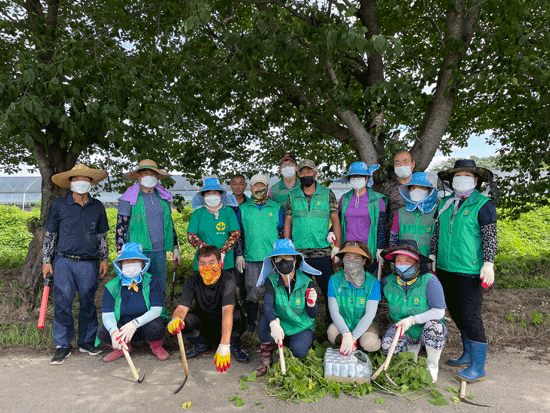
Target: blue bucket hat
359	168
131	251
212	184
284	247
428	203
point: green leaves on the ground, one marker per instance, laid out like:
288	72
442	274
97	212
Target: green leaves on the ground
238	401
437	399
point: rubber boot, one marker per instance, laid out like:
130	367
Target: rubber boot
415	349
252	312
432	359
156	348
236	351
464	360
266	349
476	371
115	354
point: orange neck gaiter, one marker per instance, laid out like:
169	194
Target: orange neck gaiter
210	273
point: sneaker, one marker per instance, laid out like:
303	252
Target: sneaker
239	355
113	355
90	349
61	353
195	351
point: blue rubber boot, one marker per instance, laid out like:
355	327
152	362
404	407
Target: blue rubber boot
464	360
476	371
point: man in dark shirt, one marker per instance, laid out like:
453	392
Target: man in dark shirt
76	232
216	316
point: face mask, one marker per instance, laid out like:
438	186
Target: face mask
284	267
260	197
81	187
406	272
357	183
403	171
354	272
418	194
210	273
149	181
307	181
463	183
212	200
132	269
288	172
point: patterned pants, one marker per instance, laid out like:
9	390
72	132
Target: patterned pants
434	335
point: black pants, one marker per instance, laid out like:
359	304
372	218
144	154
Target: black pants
210	326
150	332
464	298
323	264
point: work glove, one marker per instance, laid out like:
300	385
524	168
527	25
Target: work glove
311	297
175	326
331	238
239	263
433	258
380	262
335	250
487	274
222	261
349	345
277	331
222	358
118	344
127	331
405	324
177	255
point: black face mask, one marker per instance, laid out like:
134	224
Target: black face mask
284	267
307	181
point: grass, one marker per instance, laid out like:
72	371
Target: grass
26	335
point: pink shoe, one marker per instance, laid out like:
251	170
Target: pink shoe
156	348
115	354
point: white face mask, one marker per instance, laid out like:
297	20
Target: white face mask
212	200
81	187
357	183
463	183
149	181
131	270
418	194
403	171
288	172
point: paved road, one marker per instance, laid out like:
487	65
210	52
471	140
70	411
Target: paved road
28	383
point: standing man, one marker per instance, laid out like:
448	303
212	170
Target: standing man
403	165
279	192
144	216
76	232
238	186
310	210
262	223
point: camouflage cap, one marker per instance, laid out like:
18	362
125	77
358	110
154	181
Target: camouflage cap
306	163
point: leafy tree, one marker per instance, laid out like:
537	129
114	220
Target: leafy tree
489	162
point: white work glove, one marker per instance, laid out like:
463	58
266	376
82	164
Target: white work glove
177	255
349	345
127	331
239	263
277	331
487	274
433	258
380	262
118	343
311	297
335	250
222	358
331	238
379	254
223	259
405	324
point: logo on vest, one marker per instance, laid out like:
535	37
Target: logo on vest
271	214
466	212
428	229
298	301
362	301
220	226
318	203
416	301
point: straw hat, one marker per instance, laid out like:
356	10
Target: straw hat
146	164
63	179
355	247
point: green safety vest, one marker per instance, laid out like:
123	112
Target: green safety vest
280	192
260	229
404	305
459	248
310	226
418	227
291	310
352	301
374	213
115	285
138	230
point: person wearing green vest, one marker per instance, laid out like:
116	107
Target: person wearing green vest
416	302
465	245
363	211
213	222
310	211
353	297
279	192
144	216
133	306
415	220
262	223
289	303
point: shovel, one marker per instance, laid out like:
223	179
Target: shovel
386	363
131	364
183	361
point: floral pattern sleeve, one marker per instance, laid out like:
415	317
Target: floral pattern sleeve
231	241
121	231
48	246
195	241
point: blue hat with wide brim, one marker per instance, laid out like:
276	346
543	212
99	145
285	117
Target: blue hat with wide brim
358	168
284	247
212	184
131	251
428	203
418	178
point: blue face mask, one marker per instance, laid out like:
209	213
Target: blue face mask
405	271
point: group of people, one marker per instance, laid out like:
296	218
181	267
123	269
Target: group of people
405	245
